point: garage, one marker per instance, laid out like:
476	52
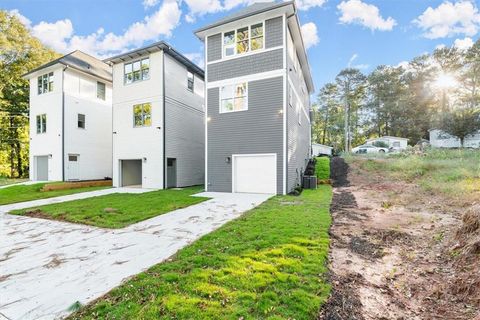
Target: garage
41	168
255	173
131	173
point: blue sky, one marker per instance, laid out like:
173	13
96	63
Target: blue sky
357	33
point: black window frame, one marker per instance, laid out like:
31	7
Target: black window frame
79	121
101	93
190	81
41	123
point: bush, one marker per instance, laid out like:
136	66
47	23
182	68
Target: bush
322	168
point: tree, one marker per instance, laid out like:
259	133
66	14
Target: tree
20	52
461	122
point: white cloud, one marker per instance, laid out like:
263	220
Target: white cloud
357	66
353	58
60	35
307	4
309	34
463	44
196	58
440	46
201	7
150	3
21	17
367	15
450	19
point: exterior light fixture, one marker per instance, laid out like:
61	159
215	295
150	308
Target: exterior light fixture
228	159
209	119
50	156
280	111
144	159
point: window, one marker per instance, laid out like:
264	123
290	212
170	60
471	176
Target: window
72	158
81	121
243	40
233	98
100	90
190	81
45	83
137	71
142	115
42	123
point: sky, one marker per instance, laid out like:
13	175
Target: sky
337	33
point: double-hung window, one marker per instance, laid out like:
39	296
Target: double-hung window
100	90
42	123
45	83
242	40
234	97
190	80
142	115
136	71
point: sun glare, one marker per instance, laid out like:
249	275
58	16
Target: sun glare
445	81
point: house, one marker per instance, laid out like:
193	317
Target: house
396	143
71	119
258	85
158	119
321	150
441	139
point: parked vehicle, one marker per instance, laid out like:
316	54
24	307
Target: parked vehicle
366	148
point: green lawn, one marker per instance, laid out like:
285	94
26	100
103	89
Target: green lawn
4	181
23	193
268	264
120	209
322	168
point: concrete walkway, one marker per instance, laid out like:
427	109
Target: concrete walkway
46	266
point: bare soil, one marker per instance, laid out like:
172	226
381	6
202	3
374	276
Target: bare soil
398	252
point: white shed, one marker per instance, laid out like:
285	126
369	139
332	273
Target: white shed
442	139
396	143
320	149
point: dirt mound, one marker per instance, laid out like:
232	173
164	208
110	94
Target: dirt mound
338	172
471	222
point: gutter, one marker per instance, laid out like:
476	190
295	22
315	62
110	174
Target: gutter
163	125
63	123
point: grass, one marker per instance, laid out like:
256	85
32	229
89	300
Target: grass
5	181
322	168
118	210
268	264
453	173
21	193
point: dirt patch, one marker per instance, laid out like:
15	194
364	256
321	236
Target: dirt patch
398	252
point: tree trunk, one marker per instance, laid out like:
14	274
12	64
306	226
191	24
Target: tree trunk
18	147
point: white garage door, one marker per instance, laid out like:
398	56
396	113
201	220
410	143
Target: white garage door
255	173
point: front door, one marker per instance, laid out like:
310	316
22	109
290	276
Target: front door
171	173
73	167
41	168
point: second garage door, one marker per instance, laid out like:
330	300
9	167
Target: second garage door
255	173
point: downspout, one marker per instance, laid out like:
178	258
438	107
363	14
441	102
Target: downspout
63	123
164	132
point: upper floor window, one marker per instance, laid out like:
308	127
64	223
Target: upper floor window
81	121
137	71
234	98
190	81
100	90
42	123
243	40
45	83
142	115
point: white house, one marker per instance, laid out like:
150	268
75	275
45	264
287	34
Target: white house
441	139
158	119
396	143
321	149
71	119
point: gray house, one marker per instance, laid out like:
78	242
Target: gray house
258	87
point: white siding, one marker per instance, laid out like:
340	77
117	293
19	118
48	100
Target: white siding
441	139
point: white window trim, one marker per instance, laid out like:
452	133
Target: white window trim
298	98
193	81
53	82
132	62
220	98
236	54
42	123
151	115
105	86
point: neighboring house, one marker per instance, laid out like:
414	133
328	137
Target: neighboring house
71	119
321	149
158	119
258	86
396	143
442	139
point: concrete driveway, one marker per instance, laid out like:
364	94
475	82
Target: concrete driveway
46	266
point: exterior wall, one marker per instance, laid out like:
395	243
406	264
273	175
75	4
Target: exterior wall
298	132
49	143
441	139
146	143
184	124
94	143
321	149
256	130
214	49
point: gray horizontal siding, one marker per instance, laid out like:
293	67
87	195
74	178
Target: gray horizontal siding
257	130
251	64
273	32
214	47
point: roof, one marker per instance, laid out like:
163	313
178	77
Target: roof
387	137
155	47
251	10
289	8
80	61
